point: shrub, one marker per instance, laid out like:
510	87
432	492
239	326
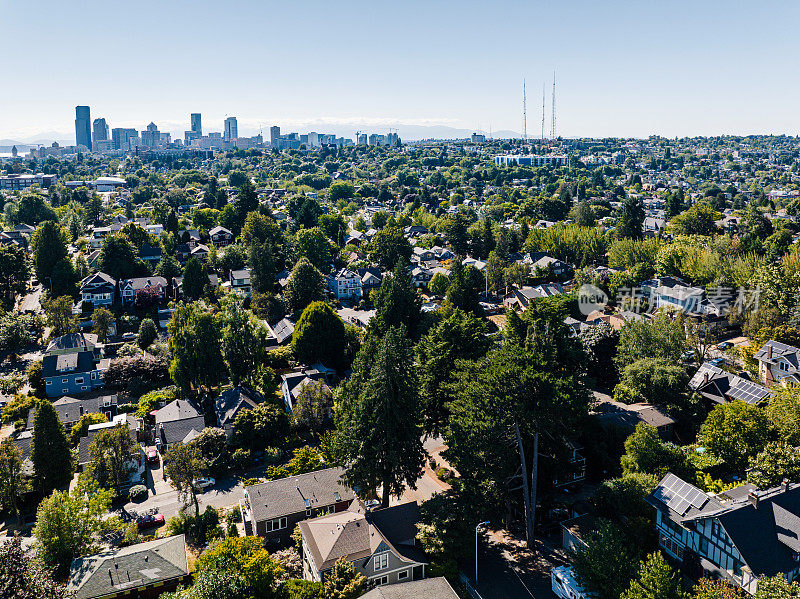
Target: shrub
241	458
234	514
124	371
252	481
137	493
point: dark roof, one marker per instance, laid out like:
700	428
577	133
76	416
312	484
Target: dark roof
77	362
719	385
282	330
228	404
172	431
428	588
289	495
178	409
70	409
683	498
121	570
143	282
398	523
627	416
84	341
149	251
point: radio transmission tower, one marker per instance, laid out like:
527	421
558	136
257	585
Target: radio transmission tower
553	127
542	111
524	112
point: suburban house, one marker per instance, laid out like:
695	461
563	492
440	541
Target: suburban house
179	420
239	281
614	414
427	588
420	277
544	262
230	403
98	289
371	278
177	285
137	465
721	386
778	364
345	284
272	509
220	236
520	299
76	342
128	288
738	535
150	254
70	409
281	331
72	373
293	382
142	570
381	545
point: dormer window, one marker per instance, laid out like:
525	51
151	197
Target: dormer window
783	366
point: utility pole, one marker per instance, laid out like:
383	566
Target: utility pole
553	130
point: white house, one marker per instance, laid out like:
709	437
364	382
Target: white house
345	284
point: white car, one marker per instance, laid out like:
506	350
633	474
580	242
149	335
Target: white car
372	504
203	483
129	336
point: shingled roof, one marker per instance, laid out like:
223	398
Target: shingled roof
129	568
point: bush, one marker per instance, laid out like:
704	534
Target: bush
444	474
252	481
202	529
18	408
126	408
125	371
231	530
241	459
137	493
234	514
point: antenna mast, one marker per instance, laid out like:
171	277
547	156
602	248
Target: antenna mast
553	130
542	111
524	112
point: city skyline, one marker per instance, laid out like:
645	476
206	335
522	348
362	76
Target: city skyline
624	69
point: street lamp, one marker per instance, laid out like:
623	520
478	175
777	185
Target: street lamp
476	548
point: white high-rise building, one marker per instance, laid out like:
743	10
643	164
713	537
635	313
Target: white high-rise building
231	129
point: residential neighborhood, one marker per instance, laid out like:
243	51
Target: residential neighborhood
283	365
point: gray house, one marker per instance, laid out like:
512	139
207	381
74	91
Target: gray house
272	509
380	545
428	588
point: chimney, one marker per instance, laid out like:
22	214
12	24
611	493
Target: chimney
705	378
752	497
769	351
785	485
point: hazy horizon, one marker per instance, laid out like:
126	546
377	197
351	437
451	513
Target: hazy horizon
624	69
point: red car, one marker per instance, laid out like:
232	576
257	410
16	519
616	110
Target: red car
149	520
152	456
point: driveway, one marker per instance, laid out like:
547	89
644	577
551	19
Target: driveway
428	484
31	300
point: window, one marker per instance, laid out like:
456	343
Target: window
64	381
783	366
382	580
402	575
703	545
276	524
79	380
381	562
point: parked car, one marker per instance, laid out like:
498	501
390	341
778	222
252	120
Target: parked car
203	483
149	520
724	345
129	336
372	504
152	456
717	362
687	356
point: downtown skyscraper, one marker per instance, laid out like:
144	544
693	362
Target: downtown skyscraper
83	127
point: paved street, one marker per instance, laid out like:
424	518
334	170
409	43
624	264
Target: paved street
31	301
225	493
507	569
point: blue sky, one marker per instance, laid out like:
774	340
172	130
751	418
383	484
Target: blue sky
624	68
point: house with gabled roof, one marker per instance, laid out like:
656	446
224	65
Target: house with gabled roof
356	536
98	289
428	588
220	236
778	364
738	535
230	403
141	570
721	386
128	288
272	509
72	373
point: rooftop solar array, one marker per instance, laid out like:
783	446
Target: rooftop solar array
748	391
679	496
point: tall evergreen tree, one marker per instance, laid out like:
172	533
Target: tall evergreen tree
306	284
631	220
50	454
396	302
195	279
460	293
49	243
378	421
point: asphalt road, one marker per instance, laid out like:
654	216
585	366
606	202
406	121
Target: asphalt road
31	301
225	493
